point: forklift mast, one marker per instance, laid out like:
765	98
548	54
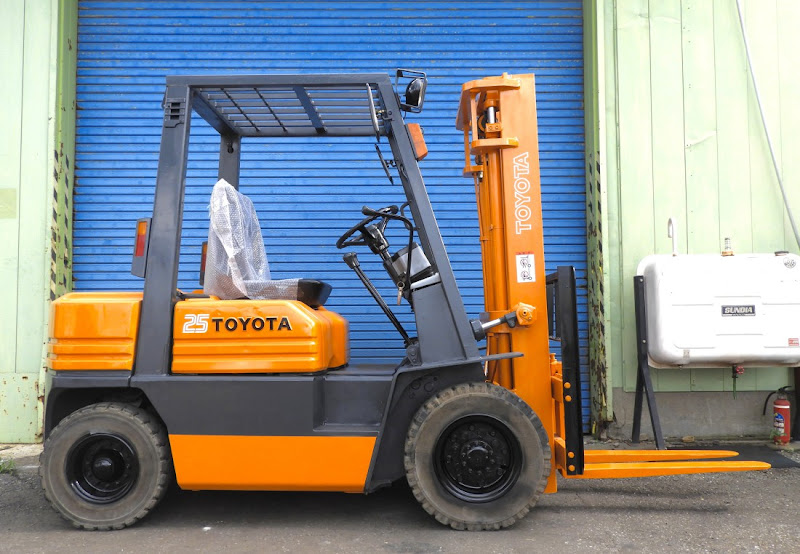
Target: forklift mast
498	118
507	189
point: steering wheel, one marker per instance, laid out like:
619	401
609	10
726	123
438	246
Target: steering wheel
385	214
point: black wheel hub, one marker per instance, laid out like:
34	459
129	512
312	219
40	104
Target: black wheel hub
102	468
477	458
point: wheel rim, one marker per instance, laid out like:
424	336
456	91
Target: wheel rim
477	458
102	468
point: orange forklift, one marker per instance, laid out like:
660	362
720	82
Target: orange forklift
247	384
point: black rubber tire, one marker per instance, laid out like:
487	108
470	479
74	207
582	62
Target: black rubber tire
147	438
439	414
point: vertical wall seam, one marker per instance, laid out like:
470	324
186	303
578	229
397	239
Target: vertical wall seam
685	165
617	150
716	111
652	126
716	122
618	179
750	164
787	221
19	182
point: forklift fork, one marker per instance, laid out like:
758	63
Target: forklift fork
570	458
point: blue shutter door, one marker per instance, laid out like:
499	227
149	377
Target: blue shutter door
310	191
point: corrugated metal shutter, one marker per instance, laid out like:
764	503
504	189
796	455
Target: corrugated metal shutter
310	192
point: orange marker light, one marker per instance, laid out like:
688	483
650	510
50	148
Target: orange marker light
420	148
141	238
203	263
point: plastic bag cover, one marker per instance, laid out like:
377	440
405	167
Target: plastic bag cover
236	264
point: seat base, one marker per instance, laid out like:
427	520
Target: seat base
313	293
310	292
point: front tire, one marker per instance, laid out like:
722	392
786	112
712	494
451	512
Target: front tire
106	466
477	457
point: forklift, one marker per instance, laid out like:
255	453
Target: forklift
247	384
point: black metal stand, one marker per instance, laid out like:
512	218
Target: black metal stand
644	383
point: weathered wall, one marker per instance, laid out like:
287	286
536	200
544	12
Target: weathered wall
595	69
64	150
683	139
33	209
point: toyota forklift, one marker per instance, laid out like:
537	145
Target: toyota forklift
247	383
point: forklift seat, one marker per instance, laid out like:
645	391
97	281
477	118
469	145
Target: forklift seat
236	264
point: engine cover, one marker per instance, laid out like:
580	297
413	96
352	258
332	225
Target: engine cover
256	336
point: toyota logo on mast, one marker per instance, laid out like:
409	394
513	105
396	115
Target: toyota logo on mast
522	198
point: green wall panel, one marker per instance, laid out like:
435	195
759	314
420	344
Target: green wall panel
11	44
19	402
29	199
684	140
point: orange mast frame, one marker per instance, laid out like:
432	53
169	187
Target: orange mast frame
498	118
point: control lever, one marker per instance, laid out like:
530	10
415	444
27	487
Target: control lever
351	259
523	314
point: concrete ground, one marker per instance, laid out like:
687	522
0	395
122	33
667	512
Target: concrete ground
734	512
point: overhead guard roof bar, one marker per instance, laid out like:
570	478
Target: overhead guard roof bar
271	111
289	105
311	111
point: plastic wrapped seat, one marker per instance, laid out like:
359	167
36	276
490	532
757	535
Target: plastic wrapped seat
236	264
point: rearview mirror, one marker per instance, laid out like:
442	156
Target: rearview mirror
415	94
415	90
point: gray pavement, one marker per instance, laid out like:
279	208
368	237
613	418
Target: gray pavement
735	512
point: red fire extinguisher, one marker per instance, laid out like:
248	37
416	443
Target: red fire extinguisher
781	417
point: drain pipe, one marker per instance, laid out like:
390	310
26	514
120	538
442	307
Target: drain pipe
764	123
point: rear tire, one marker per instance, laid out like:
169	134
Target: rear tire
477	457
106	466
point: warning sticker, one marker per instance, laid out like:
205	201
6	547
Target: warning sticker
794	342
526	269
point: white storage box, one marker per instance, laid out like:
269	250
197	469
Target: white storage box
717	311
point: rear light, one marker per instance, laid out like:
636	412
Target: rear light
139	261
203	263
141	238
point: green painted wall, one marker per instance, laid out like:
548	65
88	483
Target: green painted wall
32	195
677	134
